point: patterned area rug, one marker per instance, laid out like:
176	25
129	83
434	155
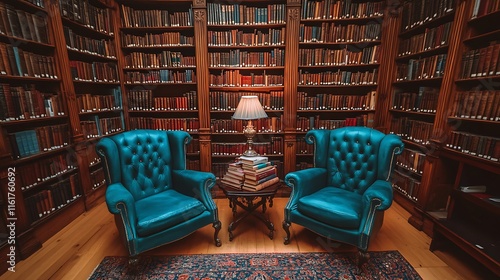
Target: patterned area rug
381	265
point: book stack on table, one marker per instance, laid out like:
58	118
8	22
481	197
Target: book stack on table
259	173
234	176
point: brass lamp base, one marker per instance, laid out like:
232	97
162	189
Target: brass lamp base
249	133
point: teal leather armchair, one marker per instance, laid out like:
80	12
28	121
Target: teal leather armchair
343	197
154	198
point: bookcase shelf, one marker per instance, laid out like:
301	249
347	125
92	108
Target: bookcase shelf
79	54
430	22
429	52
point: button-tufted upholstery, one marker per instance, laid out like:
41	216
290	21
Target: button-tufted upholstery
344	195
154	198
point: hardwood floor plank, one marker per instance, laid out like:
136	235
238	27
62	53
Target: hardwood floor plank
75	251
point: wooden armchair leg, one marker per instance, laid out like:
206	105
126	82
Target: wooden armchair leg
363	257
286	227
217	226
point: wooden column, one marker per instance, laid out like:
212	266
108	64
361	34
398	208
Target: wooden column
440	131
391	25
291	82
202	75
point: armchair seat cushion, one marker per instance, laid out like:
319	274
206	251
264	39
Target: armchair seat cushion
333	206
166	209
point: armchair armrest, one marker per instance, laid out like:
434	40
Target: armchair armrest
120	201
196	184
304	182
380	190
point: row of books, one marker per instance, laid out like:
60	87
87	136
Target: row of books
336	9
157	60
425	100
97	178
475	145
430	39
232	78
154	18
412	130
241	58
240	14
256	37
21	24
338	57
164	39
481	62
480	105
94	72
315	122
160	77
193	148
412	160
185	124
100	47
271	124
228	101
55	197
423	68
143	100
345	78
330	32
484	7
97	103
328	101
251	173
91	154
46	138
406	185
85	13
37	172
26	102
17	62
101	126
416	13
301	146
274	147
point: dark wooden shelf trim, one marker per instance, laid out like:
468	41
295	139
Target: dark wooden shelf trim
362	44
161	112
477	80
474	120
428	24
411	112
341	66
26	5
29	79
241	133
490	207
232	111
214	47
335	111
89	55
193	67
157	84
237	155
249	88
419	82
486	164
246	26
426	53
493	16
338	86
253	68
377	18
96	83
489	36
46	217
26	44
33	120
155	29
101	112
82	28
48	181
155	48
31	158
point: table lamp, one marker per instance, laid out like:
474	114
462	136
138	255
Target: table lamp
249	109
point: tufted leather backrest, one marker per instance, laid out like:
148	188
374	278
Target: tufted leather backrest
142	160
354	156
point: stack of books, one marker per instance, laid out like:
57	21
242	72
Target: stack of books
259	173
234	176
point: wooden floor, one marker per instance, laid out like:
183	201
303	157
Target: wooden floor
75	251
